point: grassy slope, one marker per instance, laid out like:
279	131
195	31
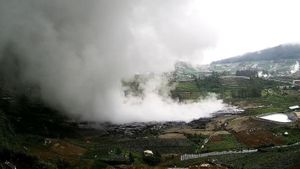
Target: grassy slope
275	159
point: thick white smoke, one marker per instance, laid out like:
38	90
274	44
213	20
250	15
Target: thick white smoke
78	52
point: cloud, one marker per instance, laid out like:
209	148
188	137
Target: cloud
77	52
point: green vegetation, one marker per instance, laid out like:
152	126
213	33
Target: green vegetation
196	138
99	164
6	132
187	87
216	143
262	96
225	142
228	88
271	103
293	134
263	110
105	144
275	159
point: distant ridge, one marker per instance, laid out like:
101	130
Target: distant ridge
287	51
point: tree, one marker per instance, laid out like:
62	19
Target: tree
131	158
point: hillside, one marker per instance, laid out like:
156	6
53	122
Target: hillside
281	52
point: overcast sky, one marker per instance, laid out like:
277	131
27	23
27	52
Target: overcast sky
245	26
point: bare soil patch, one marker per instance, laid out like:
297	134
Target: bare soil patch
172	136
196	131
248	123
216	138
61	149
257	138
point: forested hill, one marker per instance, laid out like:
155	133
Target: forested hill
274	53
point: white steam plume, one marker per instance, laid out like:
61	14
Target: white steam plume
295	68
155	105
78	52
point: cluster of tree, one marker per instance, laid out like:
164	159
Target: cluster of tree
211	83
245	88
246	92
248	73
